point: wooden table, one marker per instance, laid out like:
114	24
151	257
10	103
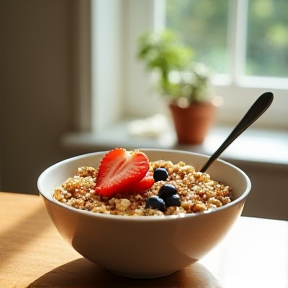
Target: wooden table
33	254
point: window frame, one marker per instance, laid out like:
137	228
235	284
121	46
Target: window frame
133	94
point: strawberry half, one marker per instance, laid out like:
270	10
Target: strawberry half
119	170
140	187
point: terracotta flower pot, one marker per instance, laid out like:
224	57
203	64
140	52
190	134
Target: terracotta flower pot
193	122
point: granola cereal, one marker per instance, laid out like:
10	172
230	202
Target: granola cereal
197	192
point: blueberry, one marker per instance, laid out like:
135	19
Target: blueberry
154	202
160	174
173	200
166	191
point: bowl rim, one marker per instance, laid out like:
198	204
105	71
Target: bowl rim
141	217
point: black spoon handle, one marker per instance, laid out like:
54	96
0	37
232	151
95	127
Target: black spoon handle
256	110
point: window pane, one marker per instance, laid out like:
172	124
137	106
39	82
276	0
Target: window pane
202	24
267	38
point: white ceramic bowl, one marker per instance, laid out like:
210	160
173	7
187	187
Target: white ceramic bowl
144	246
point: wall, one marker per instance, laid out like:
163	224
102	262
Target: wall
269	194
36	88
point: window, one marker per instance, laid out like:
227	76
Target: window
245	42
267	38
202	25
121	87
208	27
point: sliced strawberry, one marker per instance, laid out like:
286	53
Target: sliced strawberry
140	187
119	169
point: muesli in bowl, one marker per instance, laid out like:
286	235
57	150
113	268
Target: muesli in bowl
113	226
131	185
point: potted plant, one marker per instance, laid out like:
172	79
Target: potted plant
186	85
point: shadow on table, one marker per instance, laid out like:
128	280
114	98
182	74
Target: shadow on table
82	273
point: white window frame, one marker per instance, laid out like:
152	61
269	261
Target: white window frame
120	86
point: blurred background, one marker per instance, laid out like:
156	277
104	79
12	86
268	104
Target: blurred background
70	83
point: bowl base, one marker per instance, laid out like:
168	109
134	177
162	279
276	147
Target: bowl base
142	276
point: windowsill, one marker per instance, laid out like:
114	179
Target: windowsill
254	145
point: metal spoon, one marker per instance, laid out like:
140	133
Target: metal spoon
256	110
